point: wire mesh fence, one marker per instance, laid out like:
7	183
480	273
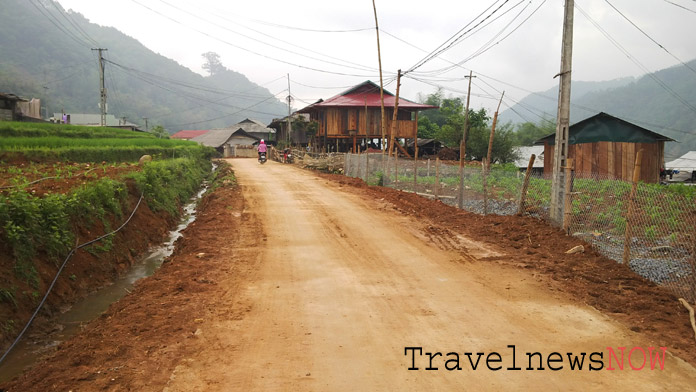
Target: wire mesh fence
654	231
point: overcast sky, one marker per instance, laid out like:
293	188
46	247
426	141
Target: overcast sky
327	46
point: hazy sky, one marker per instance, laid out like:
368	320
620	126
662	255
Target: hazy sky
327	46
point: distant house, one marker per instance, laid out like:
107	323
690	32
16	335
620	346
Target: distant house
683	168
230	142
298	135
255	128
188	135
607	146
525	152
428	147
354	116
9	107
94	120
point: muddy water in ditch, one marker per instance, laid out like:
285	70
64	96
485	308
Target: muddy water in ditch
70	322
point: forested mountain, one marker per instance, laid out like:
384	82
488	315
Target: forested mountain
45	52
664	102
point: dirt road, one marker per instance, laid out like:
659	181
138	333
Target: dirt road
344	284
294	281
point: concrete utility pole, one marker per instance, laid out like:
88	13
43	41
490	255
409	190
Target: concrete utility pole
102	89
563	119
289	135
146	118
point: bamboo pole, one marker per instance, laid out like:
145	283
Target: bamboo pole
367	166
381	82
568	207
415	158
525	185
631	207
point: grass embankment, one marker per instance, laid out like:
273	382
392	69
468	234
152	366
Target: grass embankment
38	231
55	142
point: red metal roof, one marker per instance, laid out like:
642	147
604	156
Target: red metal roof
188	134
367	91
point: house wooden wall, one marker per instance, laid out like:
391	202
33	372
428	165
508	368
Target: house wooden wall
338	121
611	159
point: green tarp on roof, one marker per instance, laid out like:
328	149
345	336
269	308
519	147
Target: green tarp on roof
605	128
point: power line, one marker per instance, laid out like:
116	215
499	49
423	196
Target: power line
635	61
342	64
245	49
680	6
55	22
440	49
650	38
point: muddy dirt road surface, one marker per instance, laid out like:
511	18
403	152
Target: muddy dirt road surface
345	284
309	284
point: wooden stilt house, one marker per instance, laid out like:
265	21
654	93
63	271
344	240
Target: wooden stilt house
353	118
606	146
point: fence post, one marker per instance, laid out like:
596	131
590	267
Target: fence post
484	171
525	185
437	177
367	167
396	170
461	187
428	167
631	207
415	173
568	207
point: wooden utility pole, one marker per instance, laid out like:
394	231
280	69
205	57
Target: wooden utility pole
102	88
462	144
289	135
490	139
563	118
392	132
381	83
465	132
487	167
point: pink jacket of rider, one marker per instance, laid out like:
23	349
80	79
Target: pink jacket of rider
262	147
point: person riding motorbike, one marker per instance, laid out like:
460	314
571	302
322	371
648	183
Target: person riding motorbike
261	148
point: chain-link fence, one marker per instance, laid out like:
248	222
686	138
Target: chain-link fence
654	232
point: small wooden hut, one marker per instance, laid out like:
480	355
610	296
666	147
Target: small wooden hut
606	146
354	116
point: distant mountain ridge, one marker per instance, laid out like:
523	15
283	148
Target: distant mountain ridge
642	101
39	59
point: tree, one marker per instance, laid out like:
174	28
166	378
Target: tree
527	133
160	132
212	63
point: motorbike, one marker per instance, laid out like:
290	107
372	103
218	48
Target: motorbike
262	158
288	157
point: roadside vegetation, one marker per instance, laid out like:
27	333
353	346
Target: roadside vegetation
47	200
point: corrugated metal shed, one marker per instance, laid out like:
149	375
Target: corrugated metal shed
218	137
525	152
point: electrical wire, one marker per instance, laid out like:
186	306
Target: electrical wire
680	6
60	270
341	63
636	62
245	49
650	38
55	22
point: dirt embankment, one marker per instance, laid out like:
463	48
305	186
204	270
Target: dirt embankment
590	277
139	340
88	269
